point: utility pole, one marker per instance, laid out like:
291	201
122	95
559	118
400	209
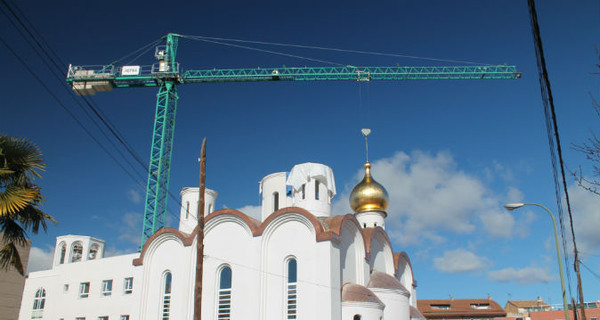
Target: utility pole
200	236
550	113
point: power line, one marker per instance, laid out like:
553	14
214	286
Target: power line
54	67
397	55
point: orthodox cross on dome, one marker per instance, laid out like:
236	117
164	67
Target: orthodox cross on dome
366	132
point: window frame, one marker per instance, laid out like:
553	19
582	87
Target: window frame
107	291
291	288
166	295
39	302
224	294
83	294
128	285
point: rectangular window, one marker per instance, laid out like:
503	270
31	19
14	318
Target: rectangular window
124	317
128	285
84	289
440	306
103	318
80	318
107	287
66	288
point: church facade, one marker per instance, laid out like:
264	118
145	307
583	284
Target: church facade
297	262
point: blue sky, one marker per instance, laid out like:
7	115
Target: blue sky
450	153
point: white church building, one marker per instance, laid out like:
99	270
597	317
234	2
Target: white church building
297	262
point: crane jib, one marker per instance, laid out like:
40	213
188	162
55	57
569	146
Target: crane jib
91	79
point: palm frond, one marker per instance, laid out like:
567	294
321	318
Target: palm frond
31	218
15	198
21	156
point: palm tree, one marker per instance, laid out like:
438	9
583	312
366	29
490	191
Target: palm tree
20	163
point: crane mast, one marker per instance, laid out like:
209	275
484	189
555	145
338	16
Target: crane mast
165	75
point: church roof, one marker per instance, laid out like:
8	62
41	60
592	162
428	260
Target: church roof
385	281
352	292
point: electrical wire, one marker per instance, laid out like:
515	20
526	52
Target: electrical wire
272	52
590	270
52	64
335	49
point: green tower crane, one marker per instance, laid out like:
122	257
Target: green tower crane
165	75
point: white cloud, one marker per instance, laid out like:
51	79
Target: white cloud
460	261
430	196
252	211
129	228
498	223
528	275
134	196
40	259
586	219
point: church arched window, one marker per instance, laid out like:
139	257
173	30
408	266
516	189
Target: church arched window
63	252
316	189
76	251
292	288
275	201
224	307
356	317
93	254
187	210
303	190
38	304
166	295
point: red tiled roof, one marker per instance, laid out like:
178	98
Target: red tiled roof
460	308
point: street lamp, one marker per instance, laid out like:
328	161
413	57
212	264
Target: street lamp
513	206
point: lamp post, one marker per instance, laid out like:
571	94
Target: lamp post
513	206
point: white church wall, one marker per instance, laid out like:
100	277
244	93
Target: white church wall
396	304
381	255
352	255
406	279
229	241
367	311
63	297
166	253
293	236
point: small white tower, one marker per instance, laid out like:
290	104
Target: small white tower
73	248
274	194
313	187
310	186
188	217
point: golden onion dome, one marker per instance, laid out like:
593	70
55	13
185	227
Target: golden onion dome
368	195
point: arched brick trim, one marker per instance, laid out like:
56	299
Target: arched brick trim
368	234
321	233
252	223
255	226
404	255
185	239
337	223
